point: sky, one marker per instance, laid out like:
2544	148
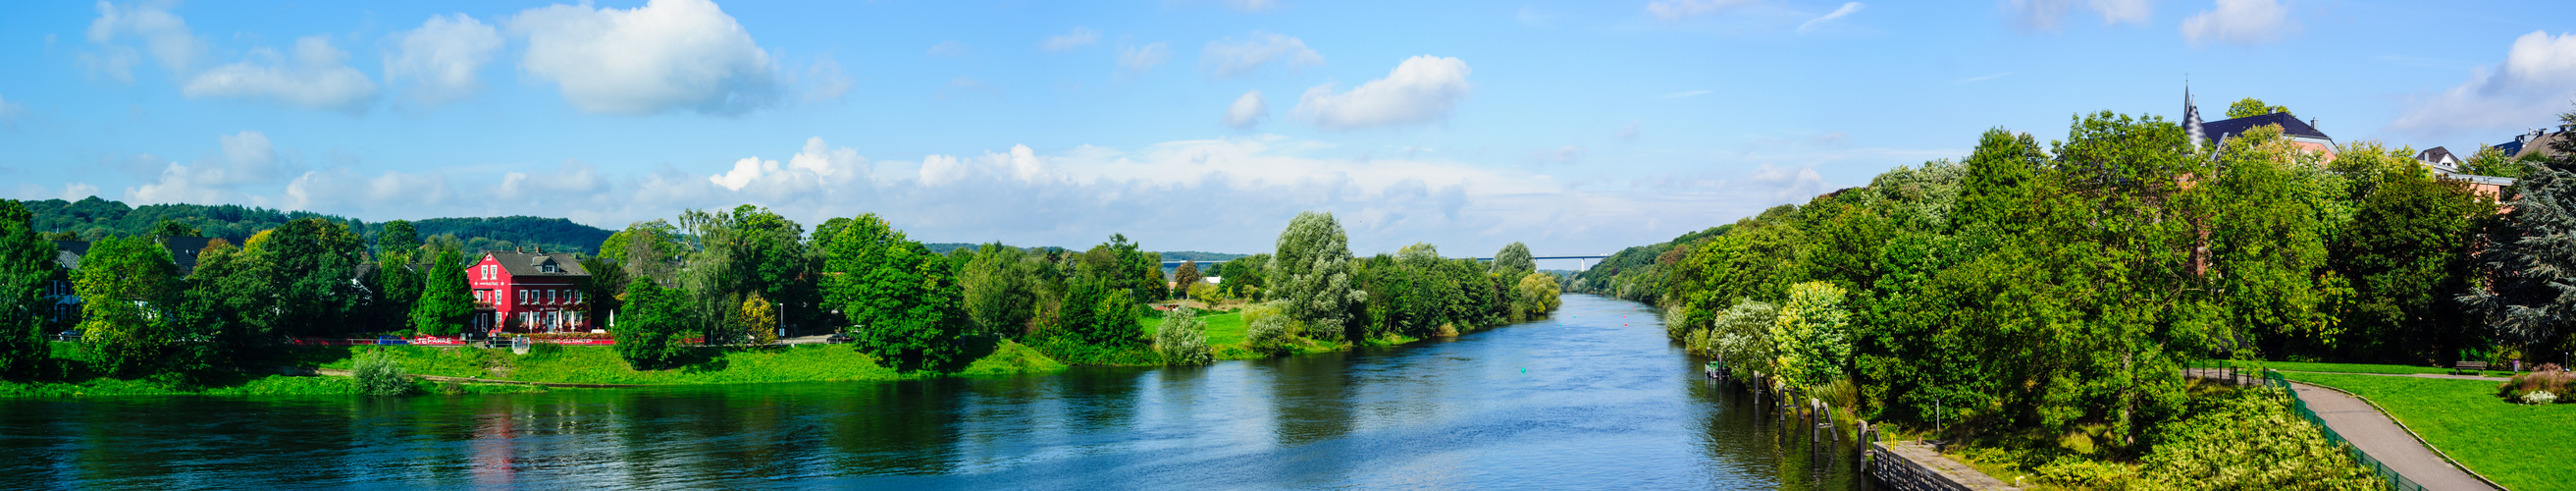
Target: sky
1576	127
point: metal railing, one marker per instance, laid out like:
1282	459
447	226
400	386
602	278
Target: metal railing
2395	481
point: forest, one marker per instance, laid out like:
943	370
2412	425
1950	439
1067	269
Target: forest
93	218
2046	298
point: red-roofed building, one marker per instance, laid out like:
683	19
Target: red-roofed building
528	292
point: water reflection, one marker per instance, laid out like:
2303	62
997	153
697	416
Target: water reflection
1588	400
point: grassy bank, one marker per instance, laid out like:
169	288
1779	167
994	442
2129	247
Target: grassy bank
2291	366
2519	446
1225	338
238	384
601	365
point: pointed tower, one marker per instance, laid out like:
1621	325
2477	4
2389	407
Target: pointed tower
2191	118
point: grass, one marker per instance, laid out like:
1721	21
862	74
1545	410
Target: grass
2291	366
2522	447
601	365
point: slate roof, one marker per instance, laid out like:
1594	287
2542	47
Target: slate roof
2290	126
183	250
2525	144
530	263
67	253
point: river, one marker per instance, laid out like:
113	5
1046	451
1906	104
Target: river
1593	398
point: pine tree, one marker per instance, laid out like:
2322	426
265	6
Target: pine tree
446	302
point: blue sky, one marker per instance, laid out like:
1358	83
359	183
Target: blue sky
1578	127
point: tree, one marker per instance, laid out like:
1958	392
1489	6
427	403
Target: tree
124	282
398	235
1182	339
2252	107
1534	296
1244	276
1185	277
398	283
446	302
172	228
1312	274
26	263
2407	255
1813	335
650	250
308	262
903	299
2488	161
652	326
759	322
749	251
2532	258
1207	294
208	315
1514	260
1002	288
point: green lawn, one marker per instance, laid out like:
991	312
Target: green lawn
1222	328
601	365
2522	447
2292	366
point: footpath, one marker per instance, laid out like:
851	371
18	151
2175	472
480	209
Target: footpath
2375	433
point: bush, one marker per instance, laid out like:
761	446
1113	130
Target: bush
2251	439
1182	340
379	374
2548	379
2539	397
1267	334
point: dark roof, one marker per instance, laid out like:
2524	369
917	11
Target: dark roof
2290	126
183	250
2527	144
528	263
67	253
2435	154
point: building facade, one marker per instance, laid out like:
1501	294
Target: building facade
525	292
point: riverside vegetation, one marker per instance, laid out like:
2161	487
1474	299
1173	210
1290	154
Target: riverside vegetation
697	303
2043	300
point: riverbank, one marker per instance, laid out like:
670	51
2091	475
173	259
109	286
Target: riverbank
546	363
1225	337
231	385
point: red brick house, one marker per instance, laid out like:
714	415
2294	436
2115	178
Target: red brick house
529	292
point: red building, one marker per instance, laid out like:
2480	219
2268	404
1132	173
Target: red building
529	292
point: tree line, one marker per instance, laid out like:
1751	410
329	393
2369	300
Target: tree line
2061	289
93	218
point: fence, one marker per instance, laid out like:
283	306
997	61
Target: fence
2395	482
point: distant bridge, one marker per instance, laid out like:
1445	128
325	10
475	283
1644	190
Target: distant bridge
1585	261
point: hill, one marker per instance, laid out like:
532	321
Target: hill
93	218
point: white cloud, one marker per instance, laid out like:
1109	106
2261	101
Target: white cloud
1230	57
1847	9
572	178
1246	111
1421	90
164	35
2046	15
2536	82
2239	22
247	160
667	55
825	80
316	78
1080	37
441	58
71	191
1677	9
1137	59
343	190
947	48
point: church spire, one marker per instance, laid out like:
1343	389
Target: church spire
2191	118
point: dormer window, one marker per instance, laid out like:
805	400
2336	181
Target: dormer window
547	269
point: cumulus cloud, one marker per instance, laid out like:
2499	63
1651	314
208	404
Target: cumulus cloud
1678	9
1080	37
572	178
1231	57
824	80
1134	60
164	35
71	191
2243	22
2049	15
441	57
1421	90
244	160
318	77
1847	9
345	190
666	55
2536	82
1246	111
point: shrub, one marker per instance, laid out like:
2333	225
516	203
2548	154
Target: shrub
1267	334
2549	379
379	374
1741	337
2251	439
1182	340
2539	397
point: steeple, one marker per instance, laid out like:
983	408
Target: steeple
2191	118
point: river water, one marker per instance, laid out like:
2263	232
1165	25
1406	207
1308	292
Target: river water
1591	399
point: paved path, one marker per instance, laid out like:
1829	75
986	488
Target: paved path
2375	434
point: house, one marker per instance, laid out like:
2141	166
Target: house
2302	134
528	292
2537	141
2439	158
64	305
